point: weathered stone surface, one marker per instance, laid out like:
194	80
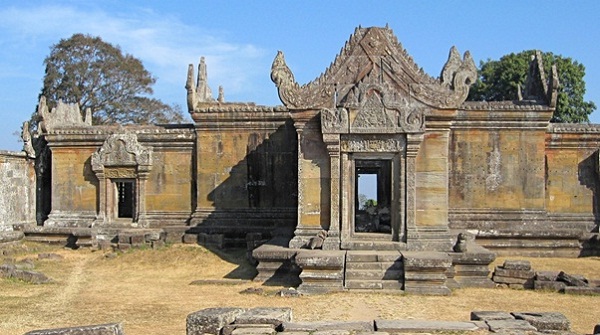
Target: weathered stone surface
104	329
34	277
510	264
555	286
327	325
265	315
491	315
322	259
571	280
402	326
524	274
264	328
254	331
509	324
546	275
545	321
211	320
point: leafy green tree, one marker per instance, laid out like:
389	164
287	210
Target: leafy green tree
499	80
97	75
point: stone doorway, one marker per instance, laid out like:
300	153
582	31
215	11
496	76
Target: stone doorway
125	189
372	197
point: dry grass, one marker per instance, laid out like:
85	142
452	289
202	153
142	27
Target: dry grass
149	291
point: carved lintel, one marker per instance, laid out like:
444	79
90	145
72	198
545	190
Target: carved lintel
370	143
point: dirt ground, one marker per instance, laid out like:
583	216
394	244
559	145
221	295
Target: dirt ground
150	292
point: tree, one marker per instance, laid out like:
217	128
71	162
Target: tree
499	80
97	75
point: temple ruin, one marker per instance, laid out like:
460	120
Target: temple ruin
286	179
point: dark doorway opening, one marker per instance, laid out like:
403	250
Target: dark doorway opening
372	196
126	196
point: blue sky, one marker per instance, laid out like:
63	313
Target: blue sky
240	39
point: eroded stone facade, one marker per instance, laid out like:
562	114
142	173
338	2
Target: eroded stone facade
498	171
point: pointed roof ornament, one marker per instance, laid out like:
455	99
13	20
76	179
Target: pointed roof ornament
537	87
200	93
375	54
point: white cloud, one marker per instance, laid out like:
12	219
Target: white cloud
164	43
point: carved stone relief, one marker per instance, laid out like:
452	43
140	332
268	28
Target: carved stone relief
357	143
122	150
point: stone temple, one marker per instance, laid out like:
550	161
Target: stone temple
454	182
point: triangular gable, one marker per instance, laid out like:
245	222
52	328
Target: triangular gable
374	56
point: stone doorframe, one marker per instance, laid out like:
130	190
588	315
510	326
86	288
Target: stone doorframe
121	157
344	149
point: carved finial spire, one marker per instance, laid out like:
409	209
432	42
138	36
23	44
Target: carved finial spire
221	97
202	88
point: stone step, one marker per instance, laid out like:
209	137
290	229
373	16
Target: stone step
373	285
373	265
374	274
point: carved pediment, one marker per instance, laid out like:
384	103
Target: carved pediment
62	116
377	111
122	150
374	56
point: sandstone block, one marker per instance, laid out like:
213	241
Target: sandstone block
211	320
571	280
327	325
514	273
579	290
260	328
403	326
555	286
265	315
512	325
517	265
491	315
546	275
545	321
104	329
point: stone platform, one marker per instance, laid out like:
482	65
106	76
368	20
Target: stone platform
415	272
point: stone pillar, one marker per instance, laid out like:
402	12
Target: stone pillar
101	216
412	148
313	173
141	198
332	242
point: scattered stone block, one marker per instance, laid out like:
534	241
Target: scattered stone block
265	315
404	326
571	280
512	324
355	326
545	321
254	331
229	329
546	275
525	274
516	265
555	286
491	315
104	329
211	320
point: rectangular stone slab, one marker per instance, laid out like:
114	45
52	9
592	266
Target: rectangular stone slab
104	329
211	320
328	325
265	315
545	320
398	326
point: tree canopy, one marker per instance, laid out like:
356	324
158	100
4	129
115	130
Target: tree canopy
97	75
500	79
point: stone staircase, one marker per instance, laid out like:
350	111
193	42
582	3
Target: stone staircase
374	270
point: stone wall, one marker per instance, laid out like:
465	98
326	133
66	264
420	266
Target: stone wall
246	170
17	190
